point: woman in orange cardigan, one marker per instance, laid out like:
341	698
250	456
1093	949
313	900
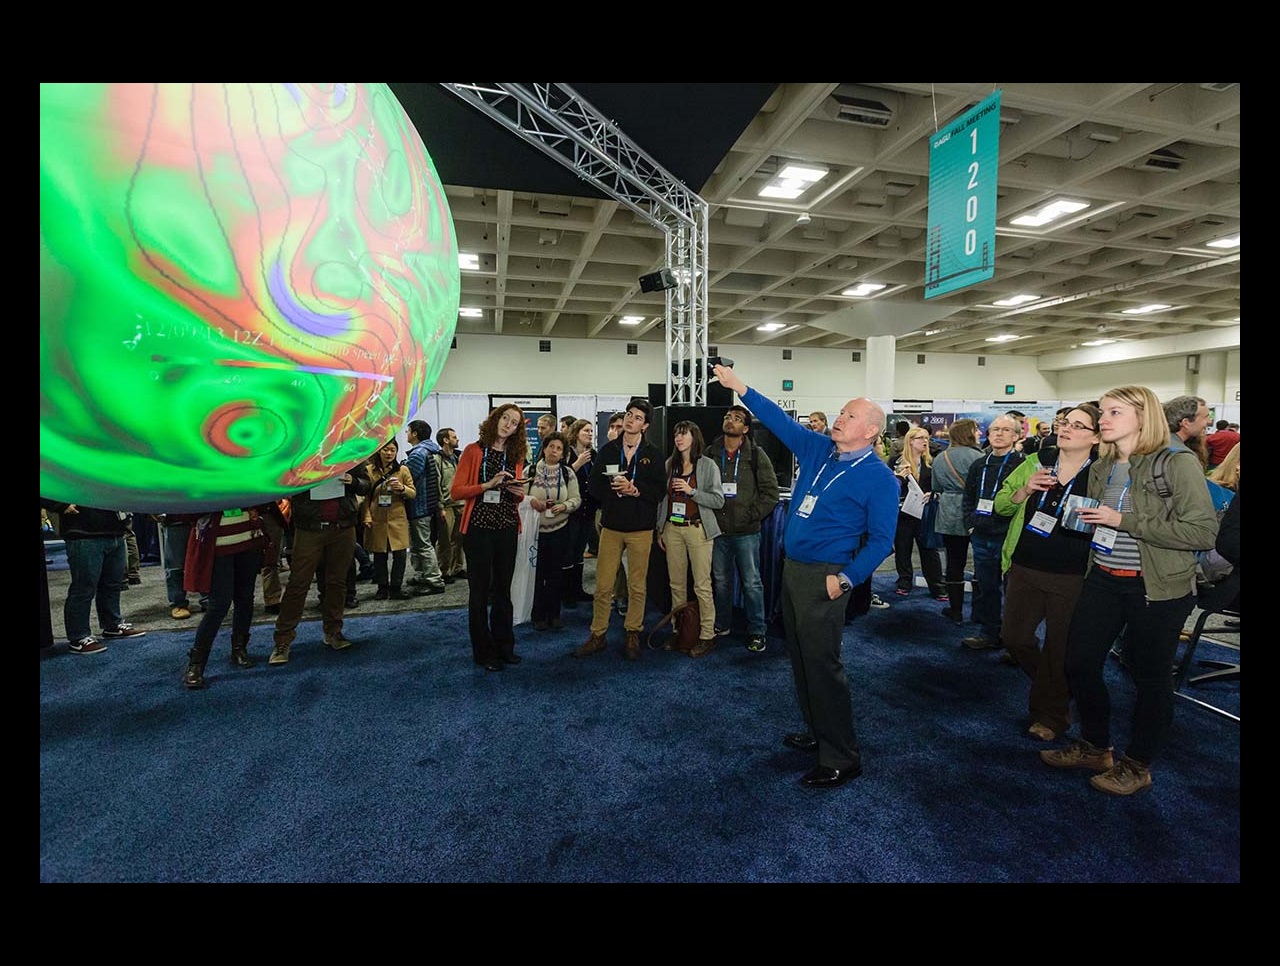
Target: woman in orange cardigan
491	479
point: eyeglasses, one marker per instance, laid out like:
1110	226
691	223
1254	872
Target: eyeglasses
736	417
1078	427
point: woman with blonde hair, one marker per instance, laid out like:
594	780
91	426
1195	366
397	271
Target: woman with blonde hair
915	463
1141	582
1227	473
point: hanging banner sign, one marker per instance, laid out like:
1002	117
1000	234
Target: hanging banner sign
963	160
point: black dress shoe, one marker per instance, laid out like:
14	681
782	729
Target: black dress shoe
801	741
824	777
512	658
495	665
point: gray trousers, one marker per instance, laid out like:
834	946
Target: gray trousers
422	553
815	628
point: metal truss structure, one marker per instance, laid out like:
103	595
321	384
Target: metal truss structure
564	126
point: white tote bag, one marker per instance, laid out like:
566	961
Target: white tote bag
526	564
913	503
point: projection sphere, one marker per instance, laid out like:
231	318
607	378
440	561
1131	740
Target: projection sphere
244	288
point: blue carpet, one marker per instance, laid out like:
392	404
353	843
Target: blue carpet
398	760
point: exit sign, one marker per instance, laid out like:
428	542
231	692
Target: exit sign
1009	390
788	385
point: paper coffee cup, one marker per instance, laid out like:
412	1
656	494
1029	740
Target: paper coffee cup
611	469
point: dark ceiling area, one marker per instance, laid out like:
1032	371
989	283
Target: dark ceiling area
686	128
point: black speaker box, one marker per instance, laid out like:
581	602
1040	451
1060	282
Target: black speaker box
657	281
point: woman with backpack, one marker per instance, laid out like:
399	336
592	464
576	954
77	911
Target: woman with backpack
1141	580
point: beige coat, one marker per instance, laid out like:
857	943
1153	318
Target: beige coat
387	527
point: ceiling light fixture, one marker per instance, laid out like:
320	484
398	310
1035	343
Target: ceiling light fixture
468	261
1094	342
1003	338
793	181
1144	309
1016	300
1231	241
470	313
631	320
770	327
863	289
1050	212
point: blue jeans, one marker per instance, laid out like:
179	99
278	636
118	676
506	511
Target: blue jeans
742	551
174	536
97	567
987	596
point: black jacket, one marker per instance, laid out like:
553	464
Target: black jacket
997	471
628	513
88	521
305	512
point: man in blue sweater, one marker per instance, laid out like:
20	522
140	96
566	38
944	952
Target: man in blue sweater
840	527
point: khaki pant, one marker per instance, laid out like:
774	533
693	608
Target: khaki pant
449	542
689	547
637	544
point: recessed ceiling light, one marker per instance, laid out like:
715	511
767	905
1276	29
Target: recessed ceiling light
1144	309
631	320
1017	300
1094	342
863	289
470	313
1003	338
1232	241
770	327
1050	212
468	261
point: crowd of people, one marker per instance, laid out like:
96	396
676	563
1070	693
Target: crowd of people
1081	529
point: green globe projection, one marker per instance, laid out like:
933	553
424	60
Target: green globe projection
245	289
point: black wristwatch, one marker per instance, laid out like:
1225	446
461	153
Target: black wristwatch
845	586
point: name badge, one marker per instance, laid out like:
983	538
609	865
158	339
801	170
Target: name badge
730	489
1042	523
492	496
806	505
384	499
1104	539
986	507
677	511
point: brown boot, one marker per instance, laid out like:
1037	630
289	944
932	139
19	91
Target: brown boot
704	647
632	650
593	645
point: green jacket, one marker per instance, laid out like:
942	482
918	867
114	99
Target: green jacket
1168	536
1005	506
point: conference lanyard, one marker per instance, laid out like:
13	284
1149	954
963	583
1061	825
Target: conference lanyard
730	486
986	505
1104	538
1041	523
810	500
484	464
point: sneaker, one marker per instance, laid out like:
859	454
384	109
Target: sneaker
942	597
88	645
1079	754
279	654
1128	776
980	643
337	642
722	632
135	579
902	592
877	603
756	643
1037	730
179	613
123	630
